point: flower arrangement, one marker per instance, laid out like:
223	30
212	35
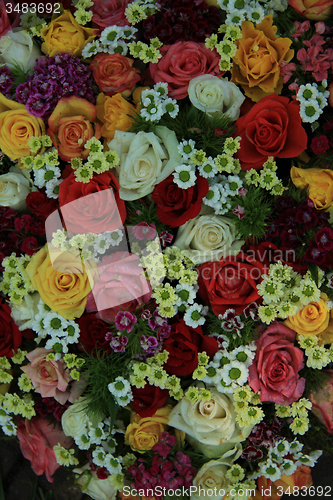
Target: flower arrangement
166	324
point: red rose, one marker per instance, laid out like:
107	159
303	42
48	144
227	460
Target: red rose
268	253
175	205
181	62
148	400
183	346
109	12
37	438
274	371
114	74
40	205
84	211
92	333
10	335
231	283
273	127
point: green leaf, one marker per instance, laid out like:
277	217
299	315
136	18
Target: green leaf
34	489
313	268
2	493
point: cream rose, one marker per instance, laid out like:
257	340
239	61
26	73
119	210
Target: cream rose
98	489
14	188
146	159
212	94
24	314
208	237
211	476
74	421
210	426
17	47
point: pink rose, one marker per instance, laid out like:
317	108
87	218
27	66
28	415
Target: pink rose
275	368
181	62
10	20
50	378
37	438
109	12
121	286
322	402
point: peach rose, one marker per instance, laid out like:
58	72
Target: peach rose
65	34
114	74
113	113
37	438
71	125
316	10
16	128
257	62
143	433
65	288
49	378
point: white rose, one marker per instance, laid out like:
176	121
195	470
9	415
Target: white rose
146	159
208	238
211	476
277	5
210	426
17	47
74	421
98	489
212	94
23	314
14	188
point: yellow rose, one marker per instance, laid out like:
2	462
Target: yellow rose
318	181
112	112
16	128
143	433
65	288
256	65
65	34
312	319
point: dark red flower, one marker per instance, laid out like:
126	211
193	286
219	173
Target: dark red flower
10	335
175	205
29	245
324	239
183	346
40	205
92	333
320	145
148	400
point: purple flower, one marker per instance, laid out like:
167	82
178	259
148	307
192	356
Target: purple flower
6	81
36	106
118	344
252	453
125	321
239	211
314	254
324	239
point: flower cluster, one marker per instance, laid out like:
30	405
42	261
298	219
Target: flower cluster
166	243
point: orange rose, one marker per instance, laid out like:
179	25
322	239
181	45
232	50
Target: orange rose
114	74
71	126
257	61
273	491
65	34
112	113
313	320
317	10
16	128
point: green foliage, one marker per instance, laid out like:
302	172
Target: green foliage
247	335
285	23
317	437
100	370
297	193
313	268
314	379
5	164
191	123
140	211
258	207
20	76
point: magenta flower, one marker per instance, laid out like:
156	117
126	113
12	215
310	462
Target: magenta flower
125	321
239	211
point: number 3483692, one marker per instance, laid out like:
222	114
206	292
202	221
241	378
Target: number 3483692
33	8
